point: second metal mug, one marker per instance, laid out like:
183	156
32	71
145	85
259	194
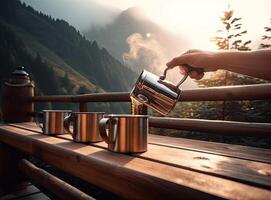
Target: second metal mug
85	126
125	133
52	121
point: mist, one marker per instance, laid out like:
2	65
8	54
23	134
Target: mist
145	49
82	14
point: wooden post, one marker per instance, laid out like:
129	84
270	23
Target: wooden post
10	175
83	107
17	90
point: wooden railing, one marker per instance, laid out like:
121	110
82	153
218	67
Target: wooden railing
246	92
243	170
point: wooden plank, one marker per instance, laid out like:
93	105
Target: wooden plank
250	172
237	151
126	175
230	150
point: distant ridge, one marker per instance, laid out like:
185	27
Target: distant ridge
58	57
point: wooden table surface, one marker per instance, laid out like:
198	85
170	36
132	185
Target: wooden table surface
172	168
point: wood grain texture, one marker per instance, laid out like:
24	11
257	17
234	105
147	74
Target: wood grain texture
230	150
236	151
249	172
242	170
125	175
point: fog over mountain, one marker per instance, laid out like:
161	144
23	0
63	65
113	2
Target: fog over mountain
129	35
139	42
82	14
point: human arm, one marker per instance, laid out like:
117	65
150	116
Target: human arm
252	63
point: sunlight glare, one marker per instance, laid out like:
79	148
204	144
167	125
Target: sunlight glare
198	20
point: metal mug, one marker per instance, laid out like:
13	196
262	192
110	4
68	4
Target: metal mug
158	93
125	133
85	126
51	121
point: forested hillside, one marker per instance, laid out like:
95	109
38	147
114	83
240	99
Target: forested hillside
58	57
66	43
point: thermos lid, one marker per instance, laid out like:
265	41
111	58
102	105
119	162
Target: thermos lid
20	72
18	77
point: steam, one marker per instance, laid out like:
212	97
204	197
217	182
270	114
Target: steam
145	52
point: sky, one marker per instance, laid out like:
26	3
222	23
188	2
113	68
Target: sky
199	19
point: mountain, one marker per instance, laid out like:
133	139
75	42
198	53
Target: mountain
58	57
79	13
155	39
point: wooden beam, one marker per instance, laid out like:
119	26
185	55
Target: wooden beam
59	188
83	107
244	92
213	126
97	97
10	176
126	175
239	92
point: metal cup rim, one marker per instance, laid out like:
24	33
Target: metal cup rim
88	112
56	110
125	115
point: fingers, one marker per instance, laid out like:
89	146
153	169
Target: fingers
183	59
196	75
192	74
186	59
183	70
177	61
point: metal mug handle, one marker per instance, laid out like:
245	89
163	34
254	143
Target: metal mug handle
199	70
105	130
67	123
37	119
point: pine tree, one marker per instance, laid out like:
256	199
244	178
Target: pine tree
66	84
228	37
266	38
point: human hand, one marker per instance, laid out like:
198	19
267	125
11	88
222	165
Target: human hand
196	59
